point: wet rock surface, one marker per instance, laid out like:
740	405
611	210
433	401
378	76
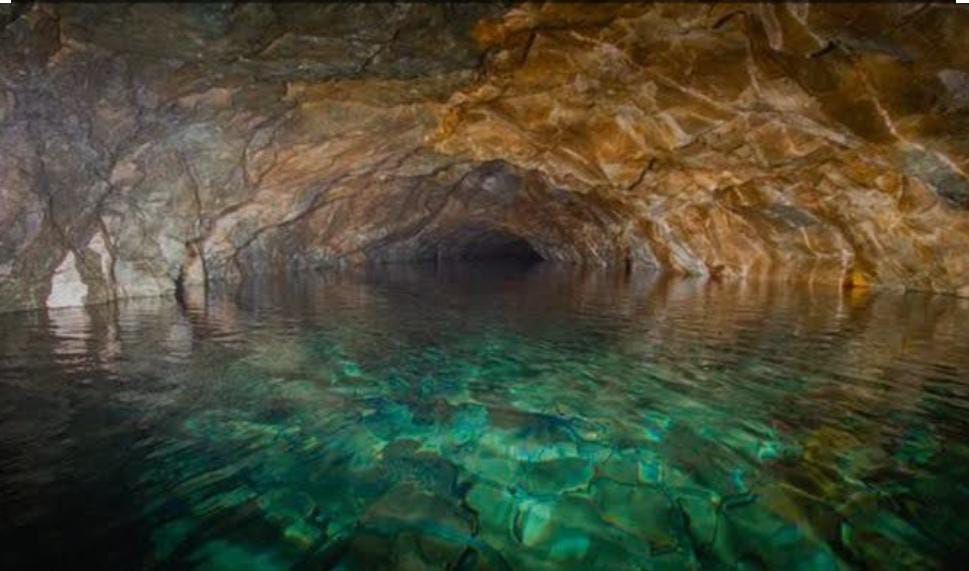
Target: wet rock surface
155	145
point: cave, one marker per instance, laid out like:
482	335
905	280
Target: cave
484	285
221	143
477	244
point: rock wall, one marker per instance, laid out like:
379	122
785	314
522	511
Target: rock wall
150	145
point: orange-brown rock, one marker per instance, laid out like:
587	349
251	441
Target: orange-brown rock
150	145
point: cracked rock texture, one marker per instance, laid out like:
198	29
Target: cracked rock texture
150	145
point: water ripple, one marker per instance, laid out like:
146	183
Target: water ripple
489	419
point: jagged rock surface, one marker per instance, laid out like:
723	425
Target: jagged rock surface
149	145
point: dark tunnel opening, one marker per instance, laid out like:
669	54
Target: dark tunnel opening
487	245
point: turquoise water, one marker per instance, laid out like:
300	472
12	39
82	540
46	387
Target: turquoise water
495	418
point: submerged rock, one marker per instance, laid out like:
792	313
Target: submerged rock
286	505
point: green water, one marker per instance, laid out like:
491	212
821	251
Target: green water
488	419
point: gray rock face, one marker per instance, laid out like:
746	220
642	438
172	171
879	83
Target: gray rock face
156	144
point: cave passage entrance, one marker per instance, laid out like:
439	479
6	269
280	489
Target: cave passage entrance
475	244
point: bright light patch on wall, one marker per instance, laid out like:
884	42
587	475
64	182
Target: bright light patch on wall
6	1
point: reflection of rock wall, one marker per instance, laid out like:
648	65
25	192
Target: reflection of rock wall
203	142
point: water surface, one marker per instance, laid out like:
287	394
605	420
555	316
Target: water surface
467	418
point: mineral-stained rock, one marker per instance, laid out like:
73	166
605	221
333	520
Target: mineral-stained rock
155	145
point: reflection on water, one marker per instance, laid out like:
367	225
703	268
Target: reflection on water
499	419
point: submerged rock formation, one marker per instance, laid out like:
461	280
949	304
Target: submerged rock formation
152	145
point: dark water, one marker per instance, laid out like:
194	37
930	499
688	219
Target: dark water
499	419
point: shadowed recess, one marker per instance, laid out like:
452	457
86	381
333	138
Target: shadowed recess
481	244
